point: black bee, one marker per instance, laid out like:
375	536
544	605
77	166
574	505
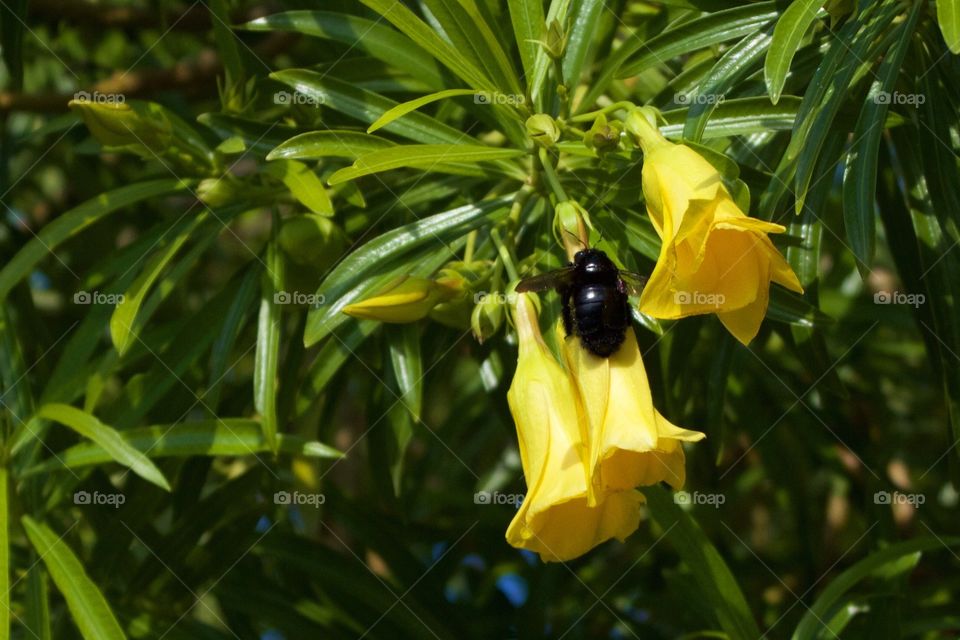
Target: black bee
594	295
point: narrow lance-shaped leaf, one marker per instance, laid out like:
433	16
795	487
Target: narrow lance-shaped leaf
89	608
328	144
860	175
219	437
406	107
787	36
303	184
948	16
528	27
717	583
110	439
77	219
268	341
372	37
425	156
124	323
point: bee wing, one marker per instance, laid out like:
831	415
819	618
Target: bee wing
549	280
634	282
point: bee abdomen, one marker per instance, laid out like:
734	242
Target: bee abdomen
601	315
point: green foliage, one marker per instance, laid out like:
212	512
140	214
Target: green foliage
181	237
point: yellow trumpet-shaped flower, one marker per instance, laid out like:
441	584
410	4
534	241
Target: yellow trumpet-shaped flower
405	299
714	258
557	519
631	444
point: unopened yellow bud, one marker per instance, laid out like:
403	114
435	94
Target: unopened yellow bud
543	129
405	299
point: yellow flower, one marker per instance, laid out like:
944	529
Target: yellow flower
631	444
557	519
405	299
714	258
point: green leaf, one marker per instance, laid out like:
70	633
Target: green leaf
528	27
426	156
948	17
860	175
110	439
690	36
788	33
303	184
125	326
738	117
733	66
404	108
226	41
268	340
580	36
418	31
878	563
37	619
219	437
351	279
715	580
367	106
407	365
77	219
328	144
89	608
373	38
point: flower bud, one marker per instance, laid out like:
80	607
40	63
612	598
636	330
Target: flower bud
603	137
543	130
405	299
570	226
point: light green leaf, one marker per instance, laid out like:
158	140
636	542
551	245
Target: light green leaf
426	156
303	183
268	341
107	437
220	437
786	40
328	144
89	608
404	108
948	17
125	326
528	27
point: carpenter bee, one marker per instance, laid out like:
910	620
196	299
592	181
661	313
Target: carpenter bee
594	295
